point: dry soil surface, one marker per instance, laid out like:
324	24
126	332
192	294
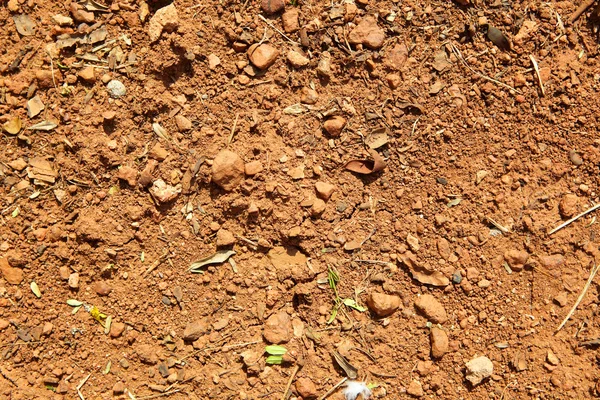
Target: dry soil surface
371	185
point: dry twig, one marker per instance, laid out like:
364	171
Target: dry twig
537	74
479	74
230	138
276	30
333	389
83	381
575	218
582	8
593	272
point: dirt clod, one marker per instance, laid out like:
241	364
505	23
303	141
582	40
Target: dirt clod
383	304
478	369
227	170
194	330
431	308
568	205
334	125
278	328
439	342
367	33
516	259
262	56
306	388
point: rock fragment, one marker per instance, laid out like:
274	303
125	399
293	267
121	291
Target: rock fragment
278	328
116	329
383	304
478	369
225	238
334	125
164	193
367	33
306	388
128	175
74	280
297	59
227	170
253	167
87	75
290	20
102	288
568	205
158	152
165	19
324	190
431	308
62	20
262	56
116	89
439	342
317	208
12	275
415	389
183	124
81	15
272	6
516	259
194	330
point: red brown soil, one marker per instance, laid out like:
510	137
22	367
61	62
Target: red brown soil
536	150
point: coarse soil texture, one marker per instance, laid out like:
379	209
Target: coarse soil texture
274	199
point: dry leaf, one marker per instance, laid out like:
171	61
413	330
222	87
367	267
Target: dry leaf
43	126
498	38
25	25
350	370
92	5
41	170
295	109
160	131
219	257
413	108
13	125
422	274
34	106
366	167
35	289
377	138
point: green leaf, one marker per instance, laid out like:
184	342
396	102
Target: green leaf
353	304
74	303
274	360
275	350
334	312
75	310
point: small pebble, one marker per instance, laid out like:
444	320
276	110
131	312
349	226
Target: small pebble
116	89
457	278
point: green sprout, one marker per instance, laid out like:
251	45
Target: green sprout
275	353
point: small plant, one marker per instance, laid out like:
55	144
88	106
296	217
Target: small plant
275	353
333	278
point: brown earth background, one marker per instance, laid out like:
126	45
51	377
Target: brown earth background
419	152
